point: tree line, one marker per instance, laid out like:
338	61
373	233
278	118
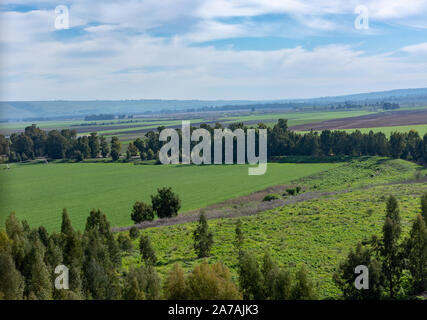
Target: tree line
65	144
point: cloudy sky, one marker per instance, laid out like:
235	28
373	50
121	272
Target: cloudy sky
210	49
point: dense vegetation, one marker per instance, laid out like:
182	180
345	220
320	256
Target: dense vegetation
34	142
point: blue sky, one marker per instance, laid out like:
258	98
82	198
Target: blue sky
210	49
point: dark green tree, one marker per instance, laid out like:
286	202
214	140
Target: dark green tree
345	276
390	251
94	144
303	288
146	250
105	148
416	251
166	203
203	238
142	212
115	148
424	207
250	278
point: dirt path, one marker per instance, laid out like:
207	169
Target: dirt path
251	205
237	207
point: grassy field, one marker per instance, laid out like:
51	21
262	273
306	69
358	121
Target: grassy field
317	232
39	192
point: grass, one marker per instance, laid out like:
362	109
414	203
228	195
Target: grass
39	192
317	233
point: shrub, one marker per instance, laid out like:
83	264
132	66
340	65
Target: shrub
147	251
142	212
133	233
291	192
271	197
124	242
211	283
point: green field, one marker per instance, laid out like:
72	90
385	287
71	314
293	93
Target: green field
39	192
317	233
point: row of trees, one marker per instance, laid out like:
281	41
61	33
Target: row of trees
34	142
64	144
284	142
397	267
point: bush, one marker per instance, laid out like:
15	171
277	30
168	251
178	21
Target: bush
166	203
142	212
124	242
147	251
291	192
133	233
271	197
211	283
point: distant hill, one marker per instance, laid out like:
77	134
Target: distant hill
18	110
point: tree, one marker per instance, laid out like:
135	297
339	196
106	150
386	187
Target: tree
345	276
83	146
132	150
40	286
56	145
391	259
303	288
203	238
176	287
4	145
125	244
142	283
416	250
105	149
146	250
66	227
213	282
11	281
397	144
250	278
115	148
166	203
424	207
142	212
94	145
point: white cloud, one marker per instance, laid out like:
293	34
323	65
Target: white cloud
416	49
115	58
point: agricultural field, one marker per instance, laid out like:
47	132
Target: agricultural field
130	129
339	208
39	192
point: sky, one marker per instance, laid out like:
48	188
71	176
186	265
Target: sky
209	49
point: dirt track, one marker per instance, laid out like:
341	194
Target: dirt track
381	119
